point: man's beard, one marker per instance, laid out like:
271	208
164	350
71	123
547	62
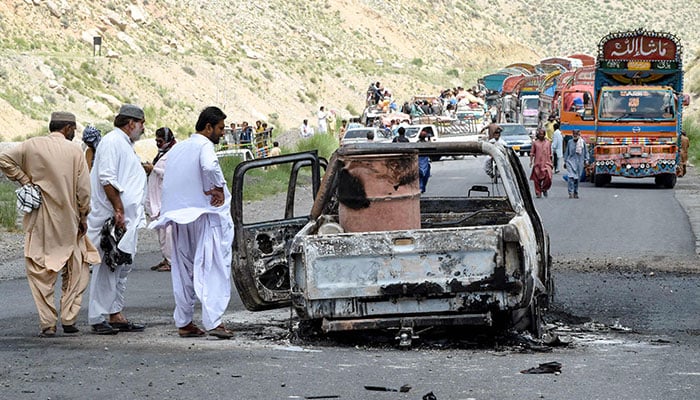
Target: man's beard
135	134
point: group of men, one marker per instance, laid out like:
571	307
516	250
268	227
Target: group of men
76	218
247	132
325	123
547	153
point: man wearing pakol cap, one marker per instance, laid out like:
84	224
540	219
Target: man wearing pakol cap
54	239
118	189
196	203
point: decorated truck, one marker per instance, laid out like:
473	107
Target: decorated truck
638	107
374	253
573	101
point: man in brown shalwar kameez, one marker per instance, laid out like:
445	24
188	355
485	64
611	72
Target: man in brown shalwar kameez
541	163
55	240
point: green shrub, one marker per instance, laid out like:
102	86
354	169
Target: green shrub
188	70
692	129
312	97
324	144
417	62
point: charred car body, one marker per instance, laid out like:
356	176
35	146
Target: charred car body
373	253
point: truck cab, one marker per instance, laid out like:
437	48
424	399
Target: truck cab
529	110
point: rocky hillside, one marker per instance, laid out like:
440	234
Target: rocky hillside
280	60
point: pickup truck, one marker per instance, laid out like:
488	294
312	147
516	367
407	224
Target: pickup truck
373	253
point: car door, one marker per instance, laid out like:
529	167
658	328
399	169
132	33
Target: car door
540	234
260	264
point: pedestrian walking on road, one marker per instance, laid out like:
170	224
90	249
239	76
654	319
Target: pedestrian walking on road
541	163
557	148
685	145
165	140
53	169
196	203
118	181
575	161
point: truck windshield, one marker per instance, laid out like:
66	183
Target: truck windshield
637	105
531	104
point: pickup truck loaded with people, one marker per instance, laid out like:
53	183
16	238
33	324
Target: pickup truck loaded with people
370	252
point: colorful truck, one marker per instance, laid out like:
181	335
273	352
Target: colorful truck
637	114
575	88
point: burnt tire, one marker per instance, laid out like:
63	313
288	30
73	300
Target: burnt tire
308	329
528	319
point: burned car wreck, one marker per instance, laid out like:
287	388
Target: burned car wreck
372	252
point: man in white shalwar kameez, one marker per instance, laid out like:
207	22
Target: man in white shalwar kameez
196	203
118	183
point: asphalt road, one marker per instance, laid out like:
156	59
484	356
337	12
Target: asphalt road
633	329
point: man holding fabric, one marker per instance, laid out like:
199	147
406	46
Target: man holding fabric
54	239
575	162
119	185
196	203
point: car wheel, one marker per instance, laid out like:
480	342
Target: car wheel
528	318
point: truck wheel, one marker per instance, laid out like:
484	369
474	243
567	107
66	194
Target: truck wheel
601	180
666	180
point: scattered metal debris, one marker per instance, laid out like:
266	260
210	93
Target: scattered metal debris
552	367
402	389
429	396
332	396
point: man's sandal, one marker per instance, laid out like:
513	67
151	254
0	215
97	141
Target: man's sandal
48	332
190	330
157	266
164	267
221	332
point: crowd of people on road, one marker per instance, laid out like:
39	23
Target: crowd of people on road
83	211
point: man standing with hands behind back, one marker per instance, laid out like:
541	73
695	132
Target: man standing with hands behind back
118	190
196	203
54	239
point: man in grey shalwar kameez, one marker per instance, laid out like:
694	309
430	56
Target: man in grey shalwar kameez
575	161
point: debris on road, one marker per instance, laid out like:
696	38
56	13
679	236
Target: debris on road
402	389
429	396
552	367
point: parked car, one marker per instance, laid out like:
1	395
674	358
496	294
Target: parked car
412	132
359	135
517	137
373	253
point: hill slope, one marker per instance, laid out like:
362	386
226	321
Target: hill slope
279	60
